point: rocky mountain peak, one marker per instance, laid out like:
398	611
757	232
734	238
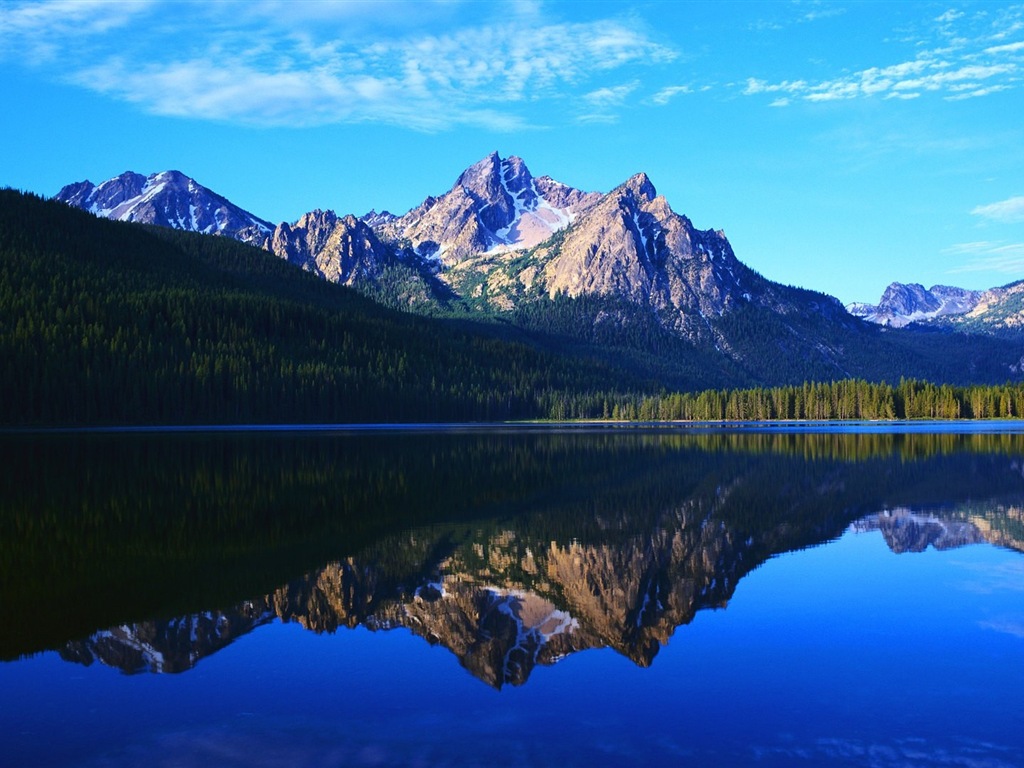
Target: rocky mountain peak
167	199
483	177
500	191
907	298
374	219
106	196
495	205
640	187
318	217
905	303
340	249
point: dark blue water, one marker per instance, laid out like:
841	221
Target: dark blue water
510	600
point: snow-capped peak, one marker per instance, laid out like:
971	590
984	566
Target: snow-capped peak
169	199
534	218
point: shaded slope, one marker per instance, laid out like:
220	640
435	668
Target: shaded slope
107	322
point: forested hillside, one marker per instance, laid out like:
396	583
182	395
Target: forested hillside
106	322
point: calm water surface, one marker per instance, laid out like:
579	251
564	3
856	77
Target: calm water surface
513	597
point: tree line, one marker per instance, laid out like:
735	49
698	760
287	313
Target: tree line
109	323
848	399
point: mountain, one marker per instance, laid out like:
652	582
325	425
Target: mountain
619	278
993	311
998	311
630	246
167	199
112	322
339	249
501	238
346	250
620	273
902	304
495	206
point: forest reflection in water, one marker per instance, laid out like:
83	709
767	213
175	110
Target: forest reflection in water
318	597
511	548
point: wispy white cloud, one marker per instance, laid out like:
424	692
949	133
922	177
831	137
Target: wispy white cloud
38	33
798	12
1009	211
610	96
665	95
949	16
822	11
603	104
988	256
1008	48
755	86
306	65
960	60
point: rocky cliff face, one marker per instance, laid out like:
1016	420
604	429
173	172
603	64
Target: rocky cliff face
495	205
902	304
167	199
632	245
991	311
997	310
499	238
339	249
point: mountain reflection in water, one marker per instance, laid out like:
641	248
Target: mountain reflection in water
511	549
630	598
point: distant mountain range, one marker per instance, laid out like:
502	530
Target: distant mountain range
167	199
996	310
618	278
498	239
501	237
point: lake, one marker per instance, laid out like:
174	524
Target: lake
533	596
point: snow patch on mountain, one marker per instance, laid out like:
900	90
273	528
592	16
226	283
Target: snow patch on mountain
535	219
167	199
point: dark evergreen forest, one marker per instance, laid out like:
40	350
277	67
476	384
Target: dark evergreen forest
105	323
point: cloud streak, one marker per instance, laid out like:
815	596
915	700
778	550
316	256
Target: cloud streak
309	67
989	256
1009	211
962	62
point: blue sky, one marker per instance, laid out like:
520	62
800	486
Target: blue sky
840	145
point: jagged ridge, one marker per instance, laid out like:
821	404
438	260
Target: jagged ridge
166	199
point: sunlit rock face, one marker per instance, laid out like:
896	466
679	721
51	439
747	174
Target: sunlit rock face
495	206
905	303
499	239
633	246
996	310
339	249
